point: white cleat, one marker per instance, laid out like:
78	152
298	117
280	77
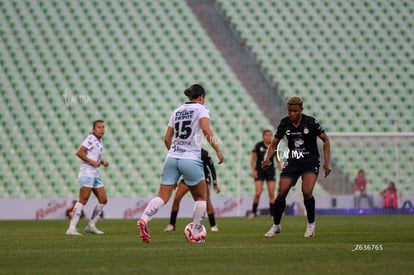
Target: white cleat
275	229
251	216
214	228
310	230
169	228
93	230
73	232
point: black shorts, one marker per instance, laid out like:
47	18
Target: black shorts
268	174
295	169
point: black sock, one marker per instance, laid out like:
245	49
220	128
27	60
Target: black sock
173	217
272	209
255	208
279	206
212	219
310	209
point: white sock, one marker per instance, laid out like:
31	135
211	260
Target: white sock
198	216
152	208
77	211
96	215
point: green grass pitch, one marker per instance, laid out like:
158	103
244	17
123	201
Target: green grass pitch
41	247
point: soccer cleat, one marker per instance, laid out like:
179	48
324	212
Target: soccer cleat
275	229
73	232
143	231
169	228
93	230
214	228
310	230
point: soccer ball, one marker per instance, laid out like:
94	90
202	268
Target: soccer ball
189	228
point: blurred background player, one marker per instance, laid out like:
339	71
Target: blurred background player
209	171
360	190
390	196
261	175
90	152
301	132
187	125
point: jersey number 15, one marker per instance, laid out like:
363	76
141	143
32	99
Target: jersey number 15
183	129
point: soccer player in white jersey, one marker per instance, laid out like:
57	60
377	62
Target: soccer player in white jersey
183	139
90	152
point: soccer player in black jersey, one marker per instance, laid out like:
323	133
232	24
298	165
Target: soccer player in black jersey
301	132
261	175
209	172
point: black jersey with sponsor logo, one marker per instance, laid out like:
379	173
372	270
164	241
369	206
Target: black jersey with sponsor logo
260	149
302	139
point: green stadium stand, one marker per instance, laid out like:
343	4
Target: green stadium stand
350	61
129	61
66	63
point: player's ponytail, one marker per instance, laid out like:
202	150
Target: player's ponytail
194	91
188	93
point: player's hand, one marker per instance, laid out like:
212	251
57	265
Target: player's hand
216	188
327	169
95	163
105	163
220	157
265	163
254	174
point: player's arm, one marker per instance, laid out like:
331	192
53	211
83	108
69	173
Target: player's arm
81	153
212	169
169	133
209	135
253	164
326	152
278	163
270	152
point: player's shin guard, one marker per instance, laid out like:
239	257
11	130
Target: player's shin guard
199	215
280	206
254	209
96	215
173	217
310	209
272	209
77	212
152	208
